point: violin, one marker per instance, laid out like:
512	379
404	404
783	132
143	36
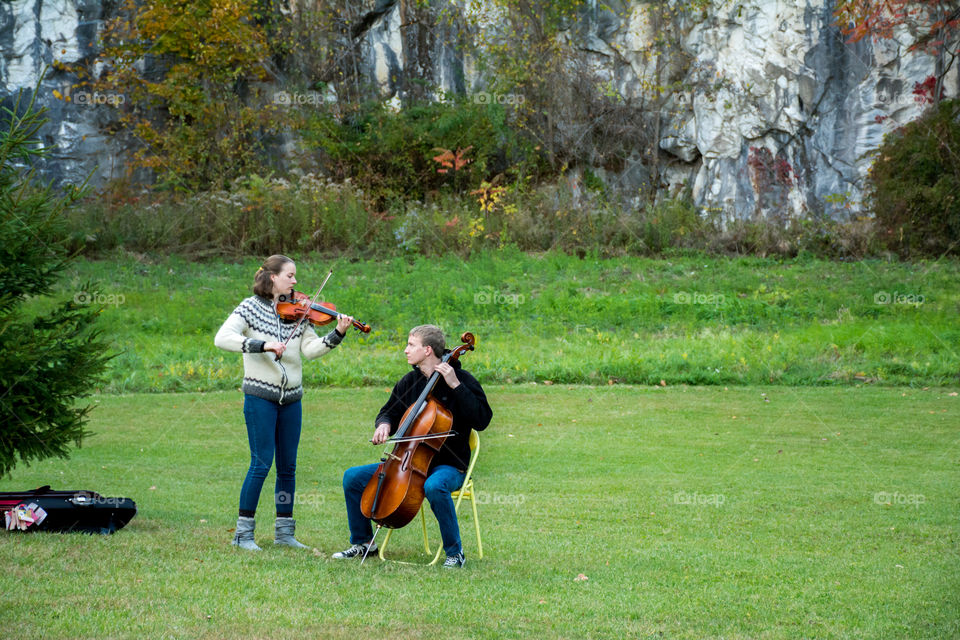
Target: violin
395	492
297	306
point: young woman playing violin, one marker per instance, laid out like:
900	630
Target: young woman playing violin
463	396
272	372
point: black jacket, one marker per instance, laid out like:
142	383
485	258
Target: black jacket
467	403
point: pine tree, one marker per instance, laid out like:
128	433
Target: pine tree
49	361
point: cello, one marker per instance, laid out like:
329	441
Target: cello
394	494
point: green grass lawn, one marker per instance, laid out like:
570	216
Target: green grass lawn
687	319
702	512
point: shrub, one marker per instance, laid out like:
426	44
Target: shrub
913	187
392	153
257	216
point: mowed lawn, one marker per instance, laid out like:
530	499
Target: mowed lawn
606	512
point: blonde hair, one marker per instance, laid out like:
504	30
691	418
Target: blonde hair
272	266
431	336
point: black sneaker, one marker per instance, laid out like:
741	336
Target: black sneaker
454	562
355	551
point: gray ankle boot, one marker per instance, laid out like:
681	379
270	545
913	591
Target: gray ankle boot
284	533
244	535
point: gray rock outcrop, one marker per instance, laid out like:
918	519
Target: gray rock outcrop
777	115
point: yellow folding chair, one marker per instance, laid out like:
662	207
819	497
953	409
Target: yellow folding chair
465	491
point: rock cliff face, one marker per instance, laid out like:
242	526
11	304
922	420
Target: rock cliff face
34	34
782	113
777	114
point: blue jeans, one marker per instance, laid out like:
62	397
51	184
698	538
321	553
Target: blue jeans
272	429
441	480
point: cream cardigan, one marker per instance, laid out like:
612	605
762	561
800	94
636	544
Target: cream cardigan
255	322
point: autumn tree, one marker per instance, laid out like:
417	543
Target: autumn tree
188	74
931	24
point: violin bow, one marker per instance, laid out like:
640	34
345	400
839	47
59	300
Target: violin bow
431	436
309	303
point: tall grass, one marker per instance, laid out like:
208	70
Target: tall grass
300	213
257	216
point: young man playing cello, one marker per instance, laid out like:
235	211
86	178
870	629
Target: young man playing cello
463	396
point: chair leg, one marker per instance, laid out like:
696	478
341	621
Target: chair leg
436	557
383	545
476	527
423	522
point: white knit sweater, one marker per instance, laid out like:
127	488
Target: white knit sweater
255	322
